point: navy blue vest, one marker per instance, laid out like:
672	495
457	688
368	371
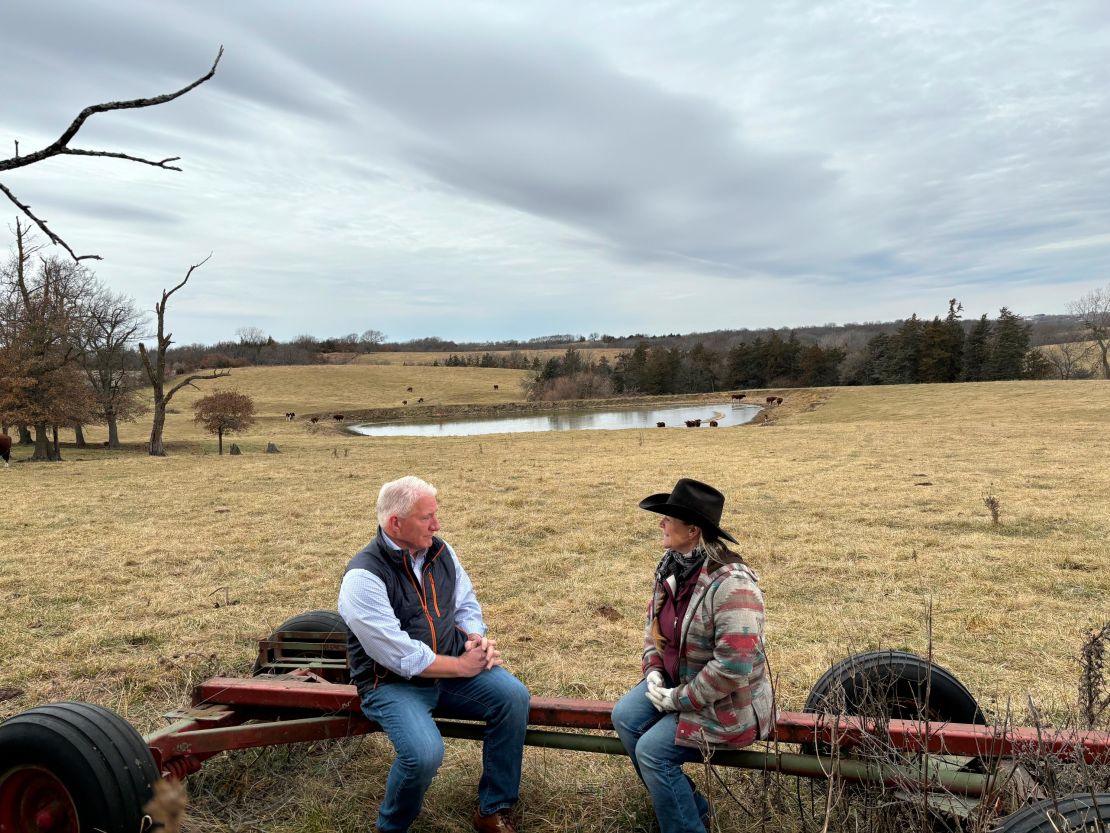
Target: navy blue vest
425	609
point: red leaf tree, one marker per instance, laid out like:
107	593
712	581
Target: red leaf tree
224	412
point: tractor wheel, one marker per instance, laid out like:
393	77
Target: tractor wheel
312	621
73	767
1079	813
893	684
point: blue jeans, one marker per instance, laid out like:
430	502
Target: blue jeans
404	711
648	737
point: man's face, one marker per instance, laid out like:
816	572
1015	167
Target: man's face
415	531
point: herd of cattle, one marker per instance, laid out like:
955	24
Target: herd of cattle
712	423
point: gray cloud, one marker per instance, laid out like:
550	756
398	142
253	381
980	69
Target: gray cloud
461	150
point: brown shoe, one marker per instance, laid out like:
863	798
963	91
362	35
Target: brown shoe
496	823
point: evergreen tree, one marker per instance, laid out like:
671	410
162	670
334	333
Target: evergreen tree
1008	346
977	351
905	360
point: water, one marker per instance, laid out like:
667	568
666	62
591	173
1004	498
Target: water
673	415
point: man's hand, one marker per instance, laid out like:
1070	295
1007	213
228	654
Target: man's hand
488	647
472	662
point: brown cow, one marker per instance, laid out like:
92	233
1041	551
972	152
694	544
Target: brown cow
770	400
5	448
778	400
738	396
421	399
408	390
496	387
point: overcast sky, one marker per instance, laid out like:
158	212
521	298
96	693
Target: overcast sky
500	170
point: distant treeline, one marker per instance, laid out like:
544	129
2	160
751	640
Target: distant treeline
913	350
941	350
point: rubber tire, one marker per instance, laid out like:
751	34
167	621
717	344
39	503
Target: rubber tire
1078	809
311	621
901	676
101	760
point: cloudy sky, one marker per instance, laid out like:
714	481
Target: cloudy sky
485	170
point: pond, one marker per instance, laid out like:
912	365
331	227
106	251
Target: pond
673	415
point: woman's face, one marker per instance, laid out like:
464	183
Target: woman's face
678	535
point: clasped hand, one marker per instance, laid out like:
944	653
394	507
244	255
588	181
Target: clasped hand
657	695
479	654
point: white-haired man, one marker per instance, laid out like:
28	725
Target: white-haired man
418	643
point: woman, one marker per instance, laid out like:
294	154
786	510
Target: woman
705	680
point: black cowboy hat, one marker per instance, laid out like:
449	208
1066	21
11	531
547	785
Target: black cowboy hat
692	502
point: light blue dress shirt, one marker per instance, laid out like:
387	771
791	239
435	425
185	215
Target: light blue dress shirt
364	606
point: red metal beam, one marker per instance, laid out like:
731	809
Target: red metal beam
791	727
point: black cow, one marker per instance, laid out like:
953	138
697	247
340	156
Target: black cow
5	448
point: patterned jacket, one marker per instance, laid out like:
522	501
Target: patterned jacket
723	693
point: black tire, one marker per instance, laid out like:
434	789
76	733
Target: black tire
891	684
74	760
1076	813
312	621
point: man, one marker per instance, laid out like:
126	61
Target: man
418	643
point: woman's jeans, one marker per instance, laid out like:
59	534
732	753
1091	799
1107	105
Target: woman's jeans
648	737
404	711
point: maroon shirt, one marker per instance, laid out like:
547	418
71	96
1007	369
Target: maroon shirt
670	623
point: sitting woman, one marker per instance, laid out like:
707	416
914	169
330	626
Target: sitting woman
705	680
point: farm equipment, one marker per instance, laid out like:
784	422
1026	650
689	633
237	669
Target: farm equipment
72	767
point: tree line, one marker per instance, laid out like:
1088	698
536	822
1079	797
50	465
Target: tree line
915	351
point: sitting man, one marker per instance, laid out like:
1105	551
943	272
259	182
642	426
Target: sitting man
418	643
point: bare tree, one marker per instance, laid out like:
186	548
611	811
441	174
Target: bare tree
1069	358
156	373
371	338
1093	312
60	147
255	338
113	325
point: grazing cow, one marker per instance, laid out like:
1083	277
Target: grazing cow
314	420
660	425
408	390
712	423
689	423
5	448
697	423
421	399
778	400
290	415
404	402
496	387
738	396
337	417
770	400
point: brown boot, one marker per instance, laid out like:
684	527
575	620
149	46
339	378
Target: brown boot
496	823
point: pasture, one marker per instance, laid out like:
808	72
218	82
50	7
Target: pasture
125	578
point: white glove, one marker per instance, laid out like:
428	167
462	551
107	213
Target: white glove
654	679
661	698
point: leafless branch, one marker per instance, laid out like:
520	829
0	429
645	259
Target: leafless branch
61	143
60	147
127	156
26	209
188	380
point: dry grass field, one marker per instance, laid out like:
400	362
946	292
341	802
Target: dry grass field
858	507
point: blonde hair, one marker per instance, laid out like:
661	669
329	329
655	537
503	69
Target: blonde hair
398	497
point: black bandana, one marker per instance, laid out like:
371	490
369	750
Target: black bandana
682	567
